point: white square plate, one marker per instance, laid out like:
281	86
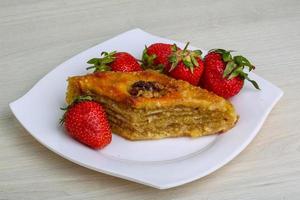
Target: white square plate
161	163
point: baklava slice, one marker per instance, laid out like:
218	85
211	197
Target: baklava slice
148	105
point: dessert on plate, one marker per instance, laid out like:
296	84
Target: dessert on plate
148	105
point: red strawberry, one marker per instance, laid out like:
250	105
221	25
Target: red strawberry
156	56
115	61
224	74
86	121
185	65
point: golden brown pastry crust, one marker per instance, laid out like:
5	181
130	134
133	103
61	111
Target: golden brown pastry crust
116	86
129	116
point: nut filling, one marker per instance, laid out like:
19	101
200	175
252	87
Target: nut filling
148	89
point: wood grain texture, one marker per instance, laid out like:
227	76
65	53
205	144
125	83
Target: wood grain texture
36	36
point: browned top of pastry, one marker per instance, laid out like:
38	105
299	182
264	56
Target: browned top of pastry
144	89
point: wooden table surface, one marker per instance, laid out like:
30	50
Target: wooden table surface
36	36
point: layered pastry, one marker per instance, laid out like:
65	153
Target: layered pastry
148	105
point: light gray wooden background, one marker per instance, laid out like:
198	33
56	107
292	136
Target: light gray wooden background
36	36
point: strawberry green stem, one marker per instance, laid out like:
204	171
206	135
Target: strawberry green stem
186	46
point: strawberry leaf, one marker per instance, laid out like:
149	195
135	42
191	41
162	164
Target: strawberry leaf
93	61
103	68
173	59
229	68
226	57
197	52
112	53
236	72
101	64
159	68
104	53
90	67
174	47
244	75
145	55
173	66
194	61
253	83
147	60
187	63
107	59
192	69
221	51
82	98
242	61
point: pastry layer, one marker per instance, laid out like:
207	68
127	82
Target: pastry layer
148	105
